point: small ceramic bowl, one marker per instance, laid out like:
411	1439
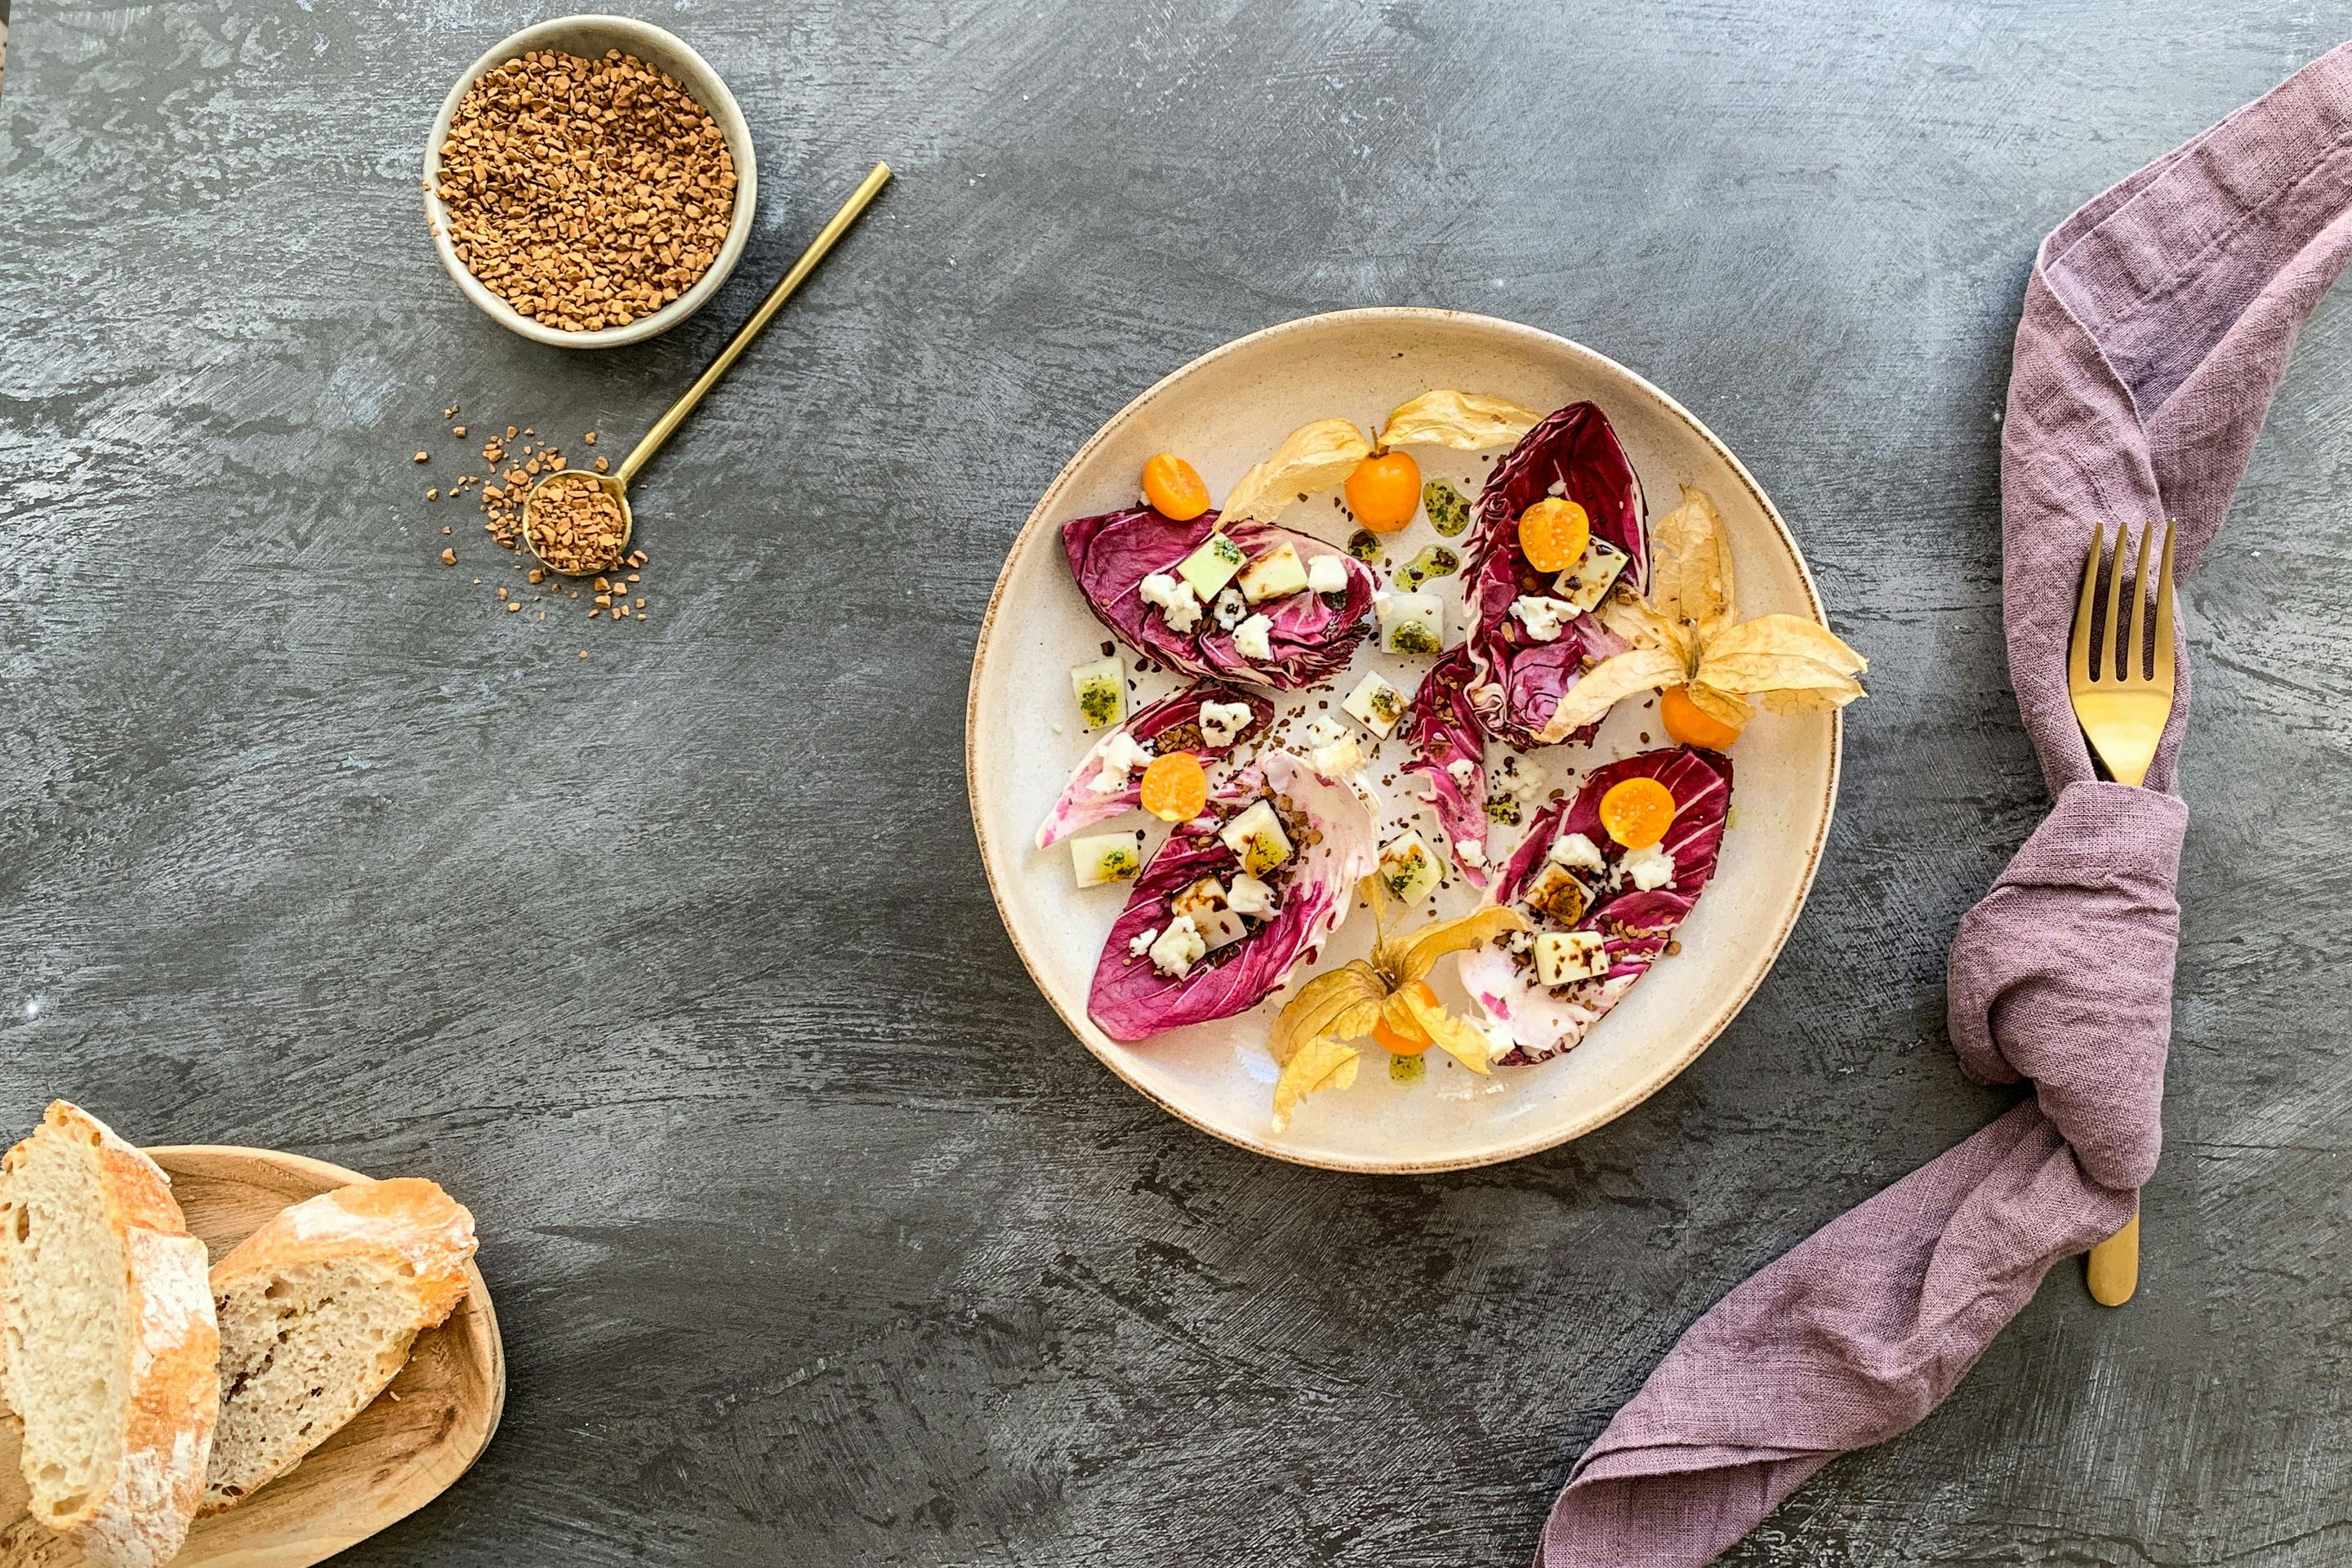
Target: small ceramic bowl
591	36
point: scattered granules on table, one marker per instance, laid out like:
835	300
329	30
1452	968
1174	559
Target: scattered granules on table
575	522
585	193
576	527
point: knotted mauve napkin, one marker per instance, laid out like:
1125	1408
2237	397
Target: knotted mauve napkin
2158	321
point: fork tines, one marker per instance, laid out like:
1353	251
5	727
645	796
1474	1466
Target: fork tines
2111	649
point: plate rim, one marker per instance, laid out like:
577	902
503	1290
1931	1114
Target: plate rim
1107	1052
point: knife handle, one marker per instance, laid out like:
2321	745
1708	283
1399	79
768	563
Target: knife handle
2113	1271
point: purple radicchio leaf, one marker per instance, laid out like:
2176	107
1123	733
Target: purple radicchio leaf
1172	723
1635	926
1314	636
1443	729
1515	682
1132	1000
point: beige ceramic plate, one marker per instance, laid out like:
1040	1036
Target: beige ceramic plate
1224	411
394	1457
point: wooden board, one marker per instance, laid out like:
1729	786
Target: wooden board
394	1457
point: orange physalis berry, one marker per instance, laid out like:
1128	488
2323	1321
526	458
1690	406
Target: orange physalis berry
1399	1041
1637	812
1384	491
1175	787
1554	535
1691	725
1173	488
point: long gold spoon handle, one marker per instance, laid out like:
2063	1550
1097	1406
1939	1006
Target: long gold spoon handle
2113	1271
866	190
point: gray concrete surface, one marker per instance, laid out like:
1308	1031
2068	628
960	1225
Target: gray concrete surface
815	1240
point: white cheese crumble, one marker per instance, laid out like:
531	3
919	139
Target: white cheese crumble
1576	850
1253	638
1461	768
1327	574
1649	868
1142	941
1176	600
1121	755
1248	896
1179	947
1336	760
1229	609
1471	851
1543	617
1221	721
1324	731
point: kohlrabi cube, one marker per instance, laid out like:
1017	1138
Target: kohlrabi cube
1375	704
1101	686
1409	867
1101	857
1411	623
1274	576
1211	566
1256	835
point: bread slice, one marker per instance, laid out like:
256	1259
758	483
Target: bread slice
316	1310
108	1353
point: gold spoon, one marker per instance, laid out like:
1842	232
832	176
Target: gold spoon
616	483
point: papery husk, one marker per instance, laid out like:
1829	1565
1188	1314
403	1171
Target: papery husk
1466	421
1724	706
1778	655
1313	458
1690	564
1320	1063
1610	682
1345	1002
1457	1037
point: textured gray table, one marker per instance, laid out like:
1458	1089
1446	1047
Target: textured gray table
814	1237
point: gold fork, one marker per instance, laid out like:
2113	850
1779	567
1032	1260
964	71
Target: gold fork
2122	698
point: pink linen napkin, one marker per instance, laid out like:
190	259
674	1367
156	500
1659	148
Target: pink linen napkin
2158	321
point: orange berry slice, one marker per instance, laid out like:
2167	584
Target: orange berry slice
1175	787
1173	488
1691	725
1554	535
1384	491
1399	1041
1637	812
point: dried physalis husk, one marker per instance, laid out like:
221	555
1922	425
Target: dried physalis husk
1467	421
1318	1063
1312	457
1684	632
1343	1004
1788	663
1690	564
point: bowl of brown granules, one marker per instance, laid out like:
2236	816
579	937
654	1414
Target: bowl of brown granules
589	181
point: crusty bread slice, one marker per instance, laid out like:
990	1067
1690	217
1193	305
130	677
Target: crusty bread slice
316	1310
110	1360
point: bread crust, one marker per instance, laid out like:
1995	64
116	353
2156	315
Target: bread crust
171	1386
406	1224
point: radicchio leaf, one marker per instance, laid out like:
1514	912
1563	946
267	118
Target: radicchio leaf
1314	636
1635	926
1314	891
1515	681
1172	724
1444	733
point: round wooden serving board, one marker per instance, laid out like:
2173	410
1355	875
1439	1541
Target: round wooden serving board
398	1455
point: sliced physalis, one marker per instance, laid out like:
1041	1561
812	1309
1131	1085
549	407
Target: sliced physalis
1466	421
1636	811
1686	633
1312	458
1384	995
1384	491
1101	688
1106	857
1172	488
1553	533
1175	787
